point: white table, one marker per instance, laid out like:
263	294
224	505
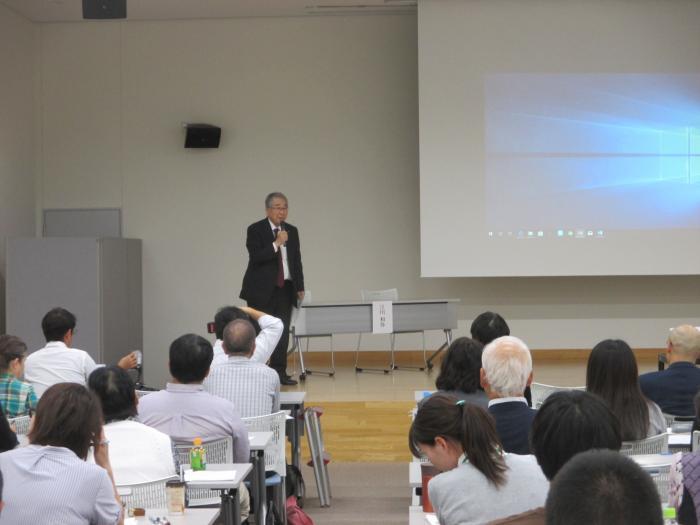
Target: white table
230	502
325	319
653	461
190	517
294	402
258	442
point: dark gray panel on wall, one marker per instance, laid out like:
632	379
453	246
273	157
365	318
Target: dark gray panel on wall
97	223
99	280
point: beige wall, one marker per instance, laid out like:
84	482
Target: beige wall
322	108
17	38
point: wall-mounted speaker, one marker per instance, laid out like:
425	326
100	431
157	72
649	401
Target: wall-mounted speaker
202	136
104	9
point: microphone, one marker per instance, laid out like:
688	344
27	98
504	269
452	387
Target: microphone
282	228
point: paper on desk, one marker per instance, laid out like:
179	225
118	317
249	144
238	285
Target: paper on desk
210	475
431	519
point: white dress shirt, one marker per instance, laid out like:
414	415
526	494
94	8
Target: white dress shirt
253	387
270	332
56	363
285	261
138	453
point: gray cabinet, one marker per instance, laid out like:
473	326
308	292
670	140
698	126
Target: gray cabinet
98	279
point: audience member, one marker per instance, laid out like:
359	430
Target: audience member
488	326
684	484
17	398
138	453
602	487
49	480
567	423
8	438
459	372
57	362
506	369
612	375
253	387
478	483
673	389
266	340
184	411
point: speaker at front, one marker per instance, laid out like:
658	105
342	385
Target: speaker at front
104	9
202	136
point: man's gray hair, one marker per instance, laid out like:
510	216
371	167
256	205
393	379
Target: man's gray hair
685	340
275	195
507	364
239	337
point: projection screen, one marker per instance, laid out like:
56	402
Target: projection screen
559	137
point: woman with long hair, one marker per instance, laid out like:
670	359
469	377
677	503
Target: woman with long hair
478	483
49	481
612	375
459	371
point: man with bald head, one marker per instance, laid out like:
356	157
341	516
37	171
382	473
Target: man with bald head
673	389
506	369
251	386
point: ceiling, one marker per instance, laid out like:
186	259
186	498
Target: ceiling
71	10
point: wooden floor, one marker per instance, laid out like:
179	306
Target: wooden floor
367	415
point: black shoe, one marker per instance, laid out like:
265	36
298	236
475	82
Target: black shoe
287	380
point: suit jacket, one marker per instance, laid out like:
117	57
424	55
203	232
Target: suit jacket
673	389
513	422
261	275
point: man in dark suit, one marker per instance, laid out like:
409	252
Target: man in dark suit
673	389
506	369
274	280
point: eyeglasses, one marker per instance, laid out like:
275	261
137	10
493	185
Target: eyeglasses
278	208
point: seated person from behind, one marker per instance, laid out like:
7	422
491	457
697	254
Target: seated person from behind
506	369
459	372
478	483
8	438
612	375
602	487
138	453
57	362
17	397
49	481
567	423
252	386
265	342
488	326
184	411
684	488
673	389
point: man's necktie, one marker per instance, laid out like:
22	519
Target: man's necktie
280	264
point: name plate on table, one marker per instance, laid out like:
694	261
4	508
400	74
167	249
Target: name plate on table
382	317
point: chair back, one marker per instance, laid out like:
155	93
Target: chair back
652	445
695	443
390	294
145	495
275	452
661	477
218	451
540	392
21	424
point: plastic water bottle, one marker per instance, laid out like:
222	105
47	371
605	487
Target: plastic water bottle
670	516
198	456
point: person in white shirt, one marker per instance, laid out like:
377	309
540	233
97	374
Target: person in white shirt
57	362
270	332
138	453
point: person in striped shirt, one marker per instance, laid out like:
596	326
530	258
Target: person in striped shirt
17	397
